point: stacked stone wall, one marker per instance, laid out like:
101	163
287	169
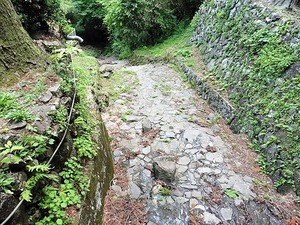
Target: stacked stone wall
253	50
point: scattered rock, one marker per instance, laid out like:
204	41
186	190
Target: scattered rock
226	213
184	160
46	97
210	219
135	191
55	88
19	125
164	170
146	125
106	75
190	135
214	157
146	150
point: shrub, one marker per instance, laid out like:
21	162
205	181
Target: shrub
35	14
134	23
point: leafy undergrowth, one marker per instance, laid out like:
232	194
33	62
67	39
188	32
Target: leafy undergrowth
28	149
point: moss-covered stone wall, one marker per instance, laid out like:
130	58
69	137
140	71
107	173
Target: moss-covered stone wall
253	51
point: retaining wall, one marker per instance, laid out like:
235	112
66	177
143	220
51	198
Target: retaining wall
253	50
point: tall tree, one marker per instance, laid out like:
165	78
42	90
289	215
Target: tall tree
18	53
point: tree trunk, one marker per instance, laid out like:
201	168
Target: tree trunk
18	53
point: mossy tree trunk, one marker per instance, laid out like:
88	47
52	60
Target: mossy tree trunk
18	53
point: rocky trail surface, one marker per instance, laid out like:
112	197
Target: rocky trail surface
176	161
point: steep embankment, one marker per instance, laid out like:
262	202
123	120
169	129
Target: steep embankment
253	51
54	149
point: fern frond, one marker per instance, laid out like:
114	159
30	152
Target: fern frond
38	168
26	195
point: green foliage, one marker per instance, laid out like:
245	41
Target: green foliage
231	193
60	116
135	23
9	147
175	45
18	115
34	145
32	182
86	15
267	98
6	183
164	191
35	14
38	168
85	146
10	108
56	200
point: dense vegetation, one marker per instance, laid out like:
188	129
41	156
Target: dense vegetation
138	24
126	24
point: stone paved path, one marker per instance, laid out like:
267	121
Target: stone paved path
179	165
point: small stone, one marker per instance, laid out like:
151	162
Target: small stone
190	135
170	200
188	194
226	213
46	97
170	134
210	219
135	191
147	159
106	75
238	201
151	223
188	146
164	170
177	193
214	157
55	101
189	186
131	119
184	160
199	156
54	88
191	151
204	170
18	125
116	188
181	169
146	150
201	207
193	203
65	100
146	125
196	194
120	101
181	200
